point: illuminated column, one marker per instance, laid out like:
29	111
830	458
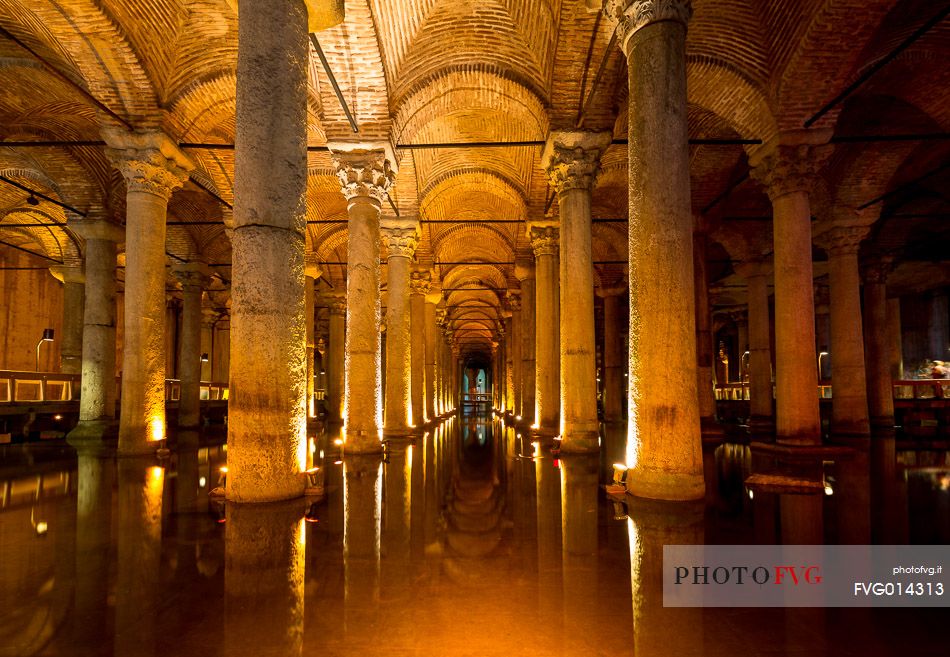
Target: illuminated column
786	166
509	362
419	284
401	240
514	302
571	160
335	360
153	167
760	350
264	566
613	354
880	386
311	274
432	298
849	400
70	347
267	415
209	318
579	497
547	377
98	389
366	177
524	272
664	445
704	339
362	530
193	278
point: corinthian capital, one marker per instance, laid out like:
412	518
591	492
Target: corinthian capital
401	238
842	240
790	163
150	162
544	240
420	282
632	15
572	158
363	172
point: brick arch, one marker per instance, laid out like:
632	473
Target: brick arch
720	88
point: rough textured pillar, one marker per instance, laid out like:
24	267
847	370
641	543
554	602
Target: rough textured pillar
787	166
938	328
194	277
547	377
524	272
98	389
613	353
664	445
336	359
70	346
704	351
419	284
366	177
877	357
267	416
849	400
432	298
153	167
571	160
760	351
514	302
401	240
895	338
312	273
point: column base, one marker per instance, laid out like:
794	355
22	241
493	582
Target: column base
400	432
669	486
361	444
579	442
91	434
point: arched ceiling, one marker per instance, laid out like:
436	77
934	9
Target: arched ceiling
441	72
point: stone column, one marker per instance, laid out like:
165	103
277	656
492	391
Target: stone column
336	359
98	389
704	339
401	239
267	416
311	274
849	400
432	298
366	177
547	376
509	364
440	361
613	353
571	160
938	328
760	351
419	284
70	346
209	318
895	338
514	302
194	277
787	167
524	272
664	445
879	384
153	167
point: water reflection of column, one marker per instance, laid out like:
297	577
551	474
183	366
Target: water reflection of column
265	547
93	534
394	568
579	544
139	553
362	500
853	490
186	505
888	495
659	631
548	484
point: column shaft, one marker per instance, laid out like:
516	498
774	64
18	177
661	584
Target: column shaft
419	286
895	346
431	340
73	301
760	354
849	401
397	413
880	388
516	357
528	337
613	357
189	360
704	352
544	241
335	360
267	415
664	446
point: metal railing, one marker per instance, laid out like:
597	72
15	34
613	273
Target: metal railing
903	389
18	387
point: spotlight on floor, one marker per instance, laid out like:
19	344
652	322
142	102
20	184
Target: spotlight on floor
617	487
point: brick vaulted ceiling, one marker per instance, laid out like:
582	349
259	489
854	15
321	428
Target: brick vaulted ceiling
447	71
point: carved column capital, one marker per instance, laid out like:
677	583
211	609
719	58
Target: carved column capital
68	273
877	270
791	162
150	162
400	241
544	240
572	158
514	300
311	264
842	240
194	275
633	15
336	303
420	282
364	173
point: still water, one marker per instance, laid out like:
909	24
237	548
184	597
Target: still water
471	540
